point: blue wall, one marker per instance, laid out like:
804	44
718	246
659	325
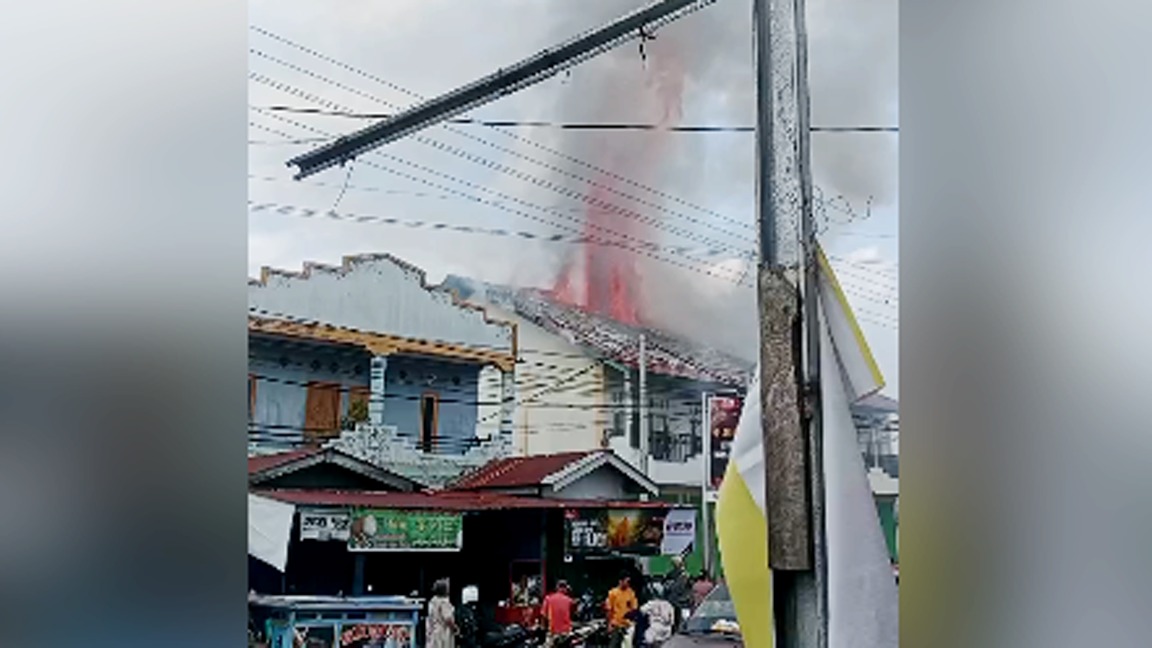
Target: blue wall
455	384
283	370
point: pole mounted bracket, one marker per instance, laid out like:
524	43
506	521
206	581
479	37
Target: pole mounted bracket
810	401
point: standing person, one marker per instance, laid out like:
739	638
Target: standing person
558	613
661	619
620	605
700	590
678	590
468	618
441	618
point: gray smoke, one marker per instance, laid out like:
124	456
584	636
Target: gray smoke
852	48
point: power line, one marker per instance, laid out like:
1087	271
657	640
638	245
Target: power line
826	224
568	239
827	203
515	173
504	198
471	402
644	248
506	132
585	126
286	209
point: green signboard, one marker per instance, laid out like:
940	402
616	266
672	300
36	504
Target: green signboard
886	507
393	530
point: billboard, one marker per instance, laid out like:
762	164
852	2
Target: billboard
605	531
723	416
393	530
679	532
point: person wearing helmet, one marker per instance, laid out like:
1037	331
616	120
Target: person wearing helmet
468	618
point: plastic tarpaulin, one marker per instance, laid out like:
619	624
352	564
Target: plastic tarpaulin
269	529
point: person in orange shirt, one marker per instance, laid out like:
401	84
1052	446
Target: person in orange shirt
620	605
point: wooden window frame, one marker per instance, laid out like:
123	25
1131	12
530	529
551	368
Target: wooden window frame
316	435
428	445
252	397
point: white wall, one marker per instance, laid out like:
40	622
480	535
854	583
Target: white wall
553	376
379	294
882	483
688	473
664	473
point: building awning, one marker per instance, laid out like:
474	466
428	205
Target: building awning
444	500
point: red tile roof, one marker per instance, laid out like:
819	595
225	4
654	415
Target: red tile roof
260	463
518	472
445	500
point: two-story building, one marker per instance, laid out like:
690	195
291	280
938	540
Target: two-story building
368	357
579	384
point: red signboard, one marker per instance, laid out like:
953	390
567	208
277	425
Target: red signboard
723	417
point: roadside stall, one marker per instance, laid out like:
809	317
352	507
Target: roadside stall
527	586
334	622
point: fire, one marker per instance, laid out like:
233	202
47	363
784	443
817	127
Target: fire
601	277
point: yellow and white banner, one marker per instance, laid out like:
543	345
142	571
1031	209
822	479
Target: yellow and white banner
862	605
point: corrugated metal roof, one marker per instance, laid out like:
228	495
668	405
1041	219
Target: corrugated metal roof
517	472
666	354
444	501
260	463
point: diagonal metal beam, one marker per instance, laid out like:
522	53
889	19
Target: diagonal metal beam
532	70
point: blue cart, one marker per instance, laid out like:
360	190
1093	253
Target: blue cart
336	622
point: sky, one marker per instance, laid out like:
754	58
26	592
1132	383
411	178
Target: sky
697	189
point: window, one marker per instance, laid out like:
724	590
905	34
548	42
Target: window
429	413
322	411
251	397
619	413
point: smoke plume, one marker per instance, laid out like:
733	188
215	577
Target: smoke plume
698	71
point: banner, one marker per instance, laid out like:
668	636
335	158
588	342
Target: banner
318	524
391	530
723	416
269	530
601	531
679	532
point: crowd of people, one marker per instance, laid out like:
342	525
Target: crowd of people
630	624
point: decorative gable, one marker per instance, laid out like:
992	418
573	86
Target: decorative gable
377	293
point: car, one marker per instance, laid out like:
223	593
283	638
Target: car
712	624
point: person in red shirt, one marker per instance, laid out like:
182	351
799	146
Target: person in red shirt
558	612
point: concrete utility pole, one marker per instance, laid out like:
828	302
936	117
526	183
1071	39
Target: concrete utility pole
530	71
706	481
792	442
644	409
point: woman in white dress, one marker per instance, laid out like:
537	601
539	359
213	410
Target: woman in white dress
441	621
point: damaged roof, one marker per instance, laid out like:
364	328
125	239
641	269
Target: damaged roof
666	354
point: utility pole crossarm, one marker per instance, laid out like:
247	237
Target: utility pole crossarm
532	70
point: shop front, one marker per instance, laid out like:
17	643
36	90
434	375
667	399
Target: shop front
582	518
